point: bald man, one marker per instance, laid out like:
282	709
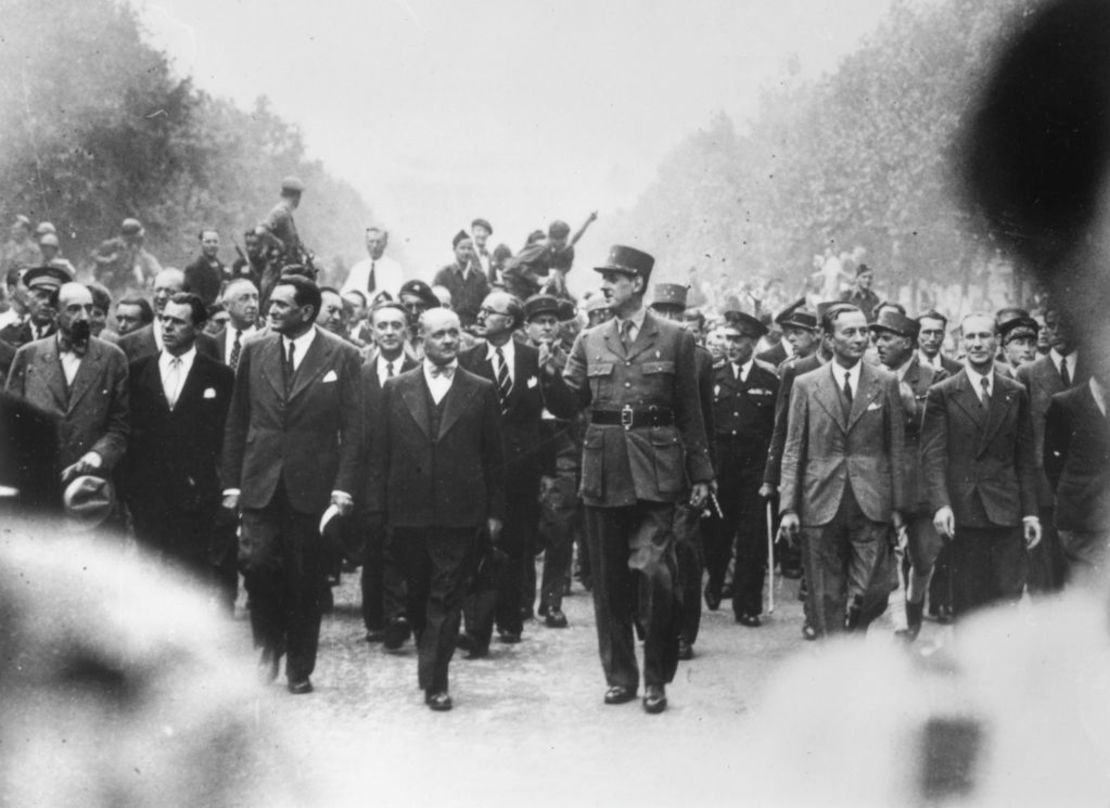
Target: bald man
436	479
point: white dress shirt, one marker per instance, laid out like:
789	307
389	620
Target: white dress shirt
303	343
853	373
637	321
976	379
388	277
439	385
171	385
509	351
1059	359
383	367
244	335
71	363
741	372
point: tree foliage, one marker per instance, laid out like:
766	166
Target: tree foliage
96	127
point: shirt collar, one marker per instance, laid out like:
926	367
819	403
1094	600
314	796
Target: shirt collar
853	374
743	370
429	365
1058	357
900	371
975	377
507	350
636	318
303	342
186	358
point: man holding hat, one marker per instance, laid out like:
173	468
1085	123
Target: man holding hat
669	301
895	337
468	286
645	451
744	392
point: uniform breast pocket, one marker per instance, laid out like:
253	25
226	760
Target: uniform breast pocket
601	380
658	378
593	465
670	466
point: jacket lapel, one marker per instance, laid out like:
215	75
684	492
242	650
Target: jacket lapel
87	372
455	402
271	359
649	332
968	400
1001	401
414	392
828	396
190	391
313	364
613	338
869	390
50	368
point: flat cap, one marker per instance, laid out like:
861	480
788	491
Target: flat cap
891	320
46	277
482	223
745	323
799	318
629	261
542	304
292	185
669	294
422	291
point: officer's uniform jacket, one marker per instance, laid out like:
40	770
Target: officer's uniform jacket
654	463
918	377
744	411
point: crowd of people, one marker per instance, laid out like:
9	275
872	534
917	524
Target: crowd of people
243	420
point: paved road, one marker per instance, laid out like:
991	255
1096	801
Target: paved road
529	727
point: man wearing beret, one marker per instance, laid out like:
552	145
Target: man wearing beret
744	392
895	337
645	451
669	301
468	286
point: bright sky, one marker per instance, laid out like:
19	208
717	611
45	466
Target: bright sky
519	111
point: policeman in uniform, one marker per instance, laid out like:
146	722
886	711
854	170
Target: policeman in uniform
669	301
644	451
744	392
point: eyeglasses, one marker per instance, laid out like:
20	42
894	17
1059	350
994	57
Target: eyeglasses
487	311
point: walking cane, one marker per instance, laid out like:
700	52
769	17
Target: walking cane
770	563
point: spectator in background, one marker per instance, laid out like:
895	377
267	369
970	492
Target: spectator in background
132	313
205	275
498	262
1018	333
20	251
102	304
51	251
123	262
862	296
377	272
358	329
467	286
331	316
480	231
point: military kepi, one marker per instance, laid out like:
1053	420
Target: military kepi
46	276
900	324
669	294
744	323
629	261
542	304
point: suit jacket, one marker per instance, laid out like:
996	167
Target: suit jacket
204	280
372	388
466	295
745	410
775	355
220	342
93	415
788	371
453	478
705	374
827	450
1077	460
520	424
659	370
1042	381
19	334
918	378
28	457
7	356
172	461
311	441
979	463
141	342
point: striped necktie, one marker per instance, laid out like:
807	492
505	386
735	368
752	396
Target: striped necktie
504	381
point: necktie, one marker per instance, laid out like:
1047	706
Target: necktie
236	349
389	370
371	282
626	333
173	380
504	383
290	368
848	388
736	373
1065	377
986	385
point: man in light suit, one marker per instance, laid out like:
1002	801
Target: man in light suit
170	475
147	341
383	590
1060	369
291	450
80	379
842	473
436	479
645	450
977	461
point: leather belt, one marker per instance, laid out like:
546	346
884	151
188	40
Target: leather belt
631	418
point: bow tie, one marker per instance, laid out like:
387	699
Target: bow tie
65	346
446	371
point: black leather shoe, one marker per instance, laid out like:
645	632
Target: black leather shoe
375	635
749	620
268	666
809	632
301	687
618	694
465	642
477	651
555	619
510	637
395	634
712	600
915	613
655	699
438	701
685	650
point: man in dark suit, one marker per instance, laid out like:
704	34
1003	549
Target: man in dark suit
744	391
895	337
842	473
1058	370
513	367
1077	464
29	470
467	285
240	299
436	479
170	475
80	379
977	461
645	450
291	449
930	339
147	341
205	276
383	592
40	285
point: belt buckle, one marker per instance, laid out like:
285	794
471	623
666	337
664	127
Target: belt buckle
626	417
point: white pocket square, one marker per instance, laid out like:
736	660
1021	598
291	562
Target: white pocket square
330	376
874	405
210	392
532	382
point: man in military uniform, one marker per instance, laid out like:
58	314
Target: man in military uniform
123	262
744	391
644	448
895	337
279	224
1018	333
669	301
